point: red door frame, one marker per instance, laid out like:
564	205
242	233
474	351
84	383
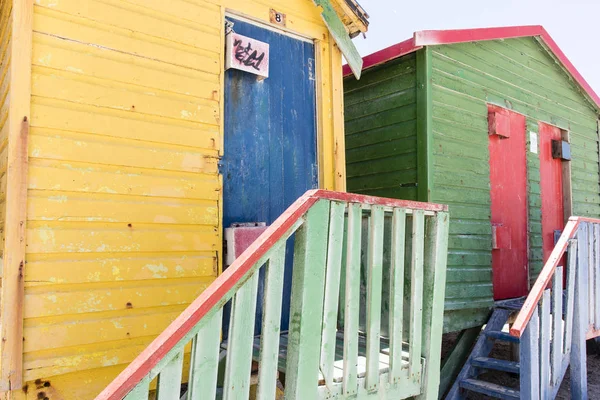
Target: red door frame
509	205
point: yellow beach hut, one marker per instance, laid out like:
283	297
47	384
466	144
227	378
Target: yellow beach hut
126	146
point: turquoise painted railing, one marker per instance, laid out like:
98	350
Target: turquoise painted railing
555	320
343	244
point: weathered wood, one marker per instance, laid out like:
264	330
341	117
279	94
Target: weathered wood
140	392
15	192
530	359
580	318
239	346
204	361
416	296
591	272
425	124
545	333
544	279
306	311
269	341
435	258
374	292
483	346
457	357
168	386
332	290
396	313
352	294
596	282
571	280
557	325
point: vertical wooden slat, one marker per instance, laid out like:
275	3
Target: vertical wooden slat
545	345
591	272
306	311
416	297
571	277
332	290
529	359
169	379
14	228
342	299
204	361
580	318
374	291
397	292
271	324
352	293
434	285
241	336
596	283
557	322
141	390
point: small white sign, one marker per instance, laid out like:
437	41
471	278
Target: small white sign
533	142
247	54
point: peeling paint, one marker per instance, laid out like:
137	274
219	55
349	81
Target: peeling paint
76	70
159	271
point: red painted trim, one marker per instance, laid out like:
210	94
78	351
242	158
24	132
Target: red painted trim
544	279
385	55
592	333
431	38
158	349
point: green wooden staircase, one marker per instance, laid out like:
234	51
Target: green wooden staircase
365	318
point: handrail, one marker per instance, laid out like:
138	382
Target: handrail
199	308
545	277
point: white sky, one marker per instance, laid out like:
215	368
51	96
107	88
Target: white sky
573	24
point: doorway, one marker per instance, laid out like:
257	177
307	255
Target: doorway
509	214
270	149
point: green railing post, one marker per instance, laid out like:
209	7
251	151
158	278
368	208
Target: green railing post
306	311
436	250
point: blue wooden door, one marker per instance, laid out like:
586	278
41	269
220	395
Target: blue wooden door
270	154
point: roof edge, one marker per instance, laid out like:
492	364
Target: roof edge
440	37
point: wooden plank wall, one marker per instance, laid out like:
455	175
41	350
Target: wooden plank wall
5	42
123	226
381	131
123	215
517	74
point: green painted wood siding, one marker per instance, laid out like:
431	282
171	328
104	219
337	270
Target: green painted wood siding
381	126
517	74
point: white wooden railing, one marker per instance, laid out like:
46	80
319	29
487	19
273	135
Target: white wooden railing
555	320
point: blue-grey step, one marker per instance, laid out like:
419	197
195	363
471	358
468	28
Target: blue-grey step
490	389
495	364
499	335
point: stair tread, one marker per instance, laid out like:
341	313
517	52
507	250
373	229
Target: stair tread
496	364
490	389
499	335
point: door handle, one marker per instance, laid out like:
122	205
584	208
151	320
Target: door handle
501	237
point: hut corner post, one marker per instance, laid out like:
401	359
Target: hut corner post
11	304
424	124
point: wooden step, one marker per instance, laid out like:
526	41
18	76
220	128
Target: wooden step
490	389
504	336
495	364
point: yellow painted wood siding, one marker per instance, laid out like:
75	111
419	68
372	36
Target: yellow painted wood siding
123	215
5	43
124	222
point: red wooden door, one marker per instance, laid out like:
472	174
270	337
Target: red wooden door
553	218
508	179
